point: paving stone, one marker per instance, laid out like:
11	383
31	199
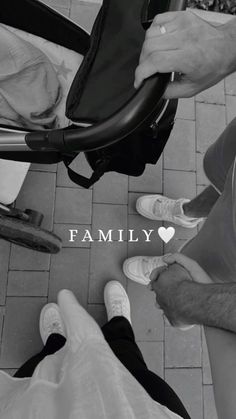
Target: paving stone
22	259
84	14
38	193
186	109
79	165
109	217
188	385
230	84
183	349
179	152
63	231
209	403
36	167
150	181
9	371
201	176
215	94
230	108
179	184
153	356
133	196
98	312
147	319
206	368
141	247
4	263
69	270
112	188
210	122
73	206
106	264
21	338
27	284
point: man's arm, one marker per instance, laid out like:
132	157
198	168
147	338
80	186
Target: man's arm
187	294
201	52
212	305
203	302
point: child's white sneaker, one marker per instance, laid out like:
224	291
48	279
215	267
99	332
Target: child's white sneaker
139	268
51	322
116	301
161	208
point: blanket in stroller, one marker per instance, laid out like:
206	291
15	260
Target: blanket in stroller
29	87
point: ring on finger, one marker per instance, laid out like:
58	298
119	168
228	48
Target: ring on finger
162	29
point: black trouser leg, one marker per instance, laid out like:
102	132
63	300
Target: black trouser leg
53	344
119	334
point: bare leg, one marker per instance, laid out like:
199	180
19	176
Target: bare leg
201	205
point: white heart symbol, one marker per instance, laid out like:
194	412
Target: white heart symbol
166	234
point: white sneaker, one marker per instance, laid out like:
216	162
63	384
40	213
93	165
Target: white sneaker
116	301
51	322
139	268
161	208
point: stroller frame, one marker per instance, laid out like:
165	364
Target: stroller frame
23	227
28	15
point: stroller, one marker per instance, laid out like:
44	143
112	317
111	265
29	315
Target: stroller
109	121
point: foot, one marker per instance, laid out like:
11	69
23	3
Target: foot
139	268
51	322
161	208
116	301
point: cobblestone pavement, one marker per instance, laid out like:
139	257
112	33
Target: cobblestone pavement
30	279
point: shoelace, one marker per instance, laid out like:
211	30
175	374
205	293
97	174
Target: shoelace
117	307
149	265
54	327
168	207
165	207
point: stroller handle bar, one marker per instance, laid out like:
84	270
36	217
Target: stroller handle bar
109	131
141	107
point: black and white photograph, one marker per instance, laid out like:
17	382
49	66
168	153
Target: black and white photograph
118	209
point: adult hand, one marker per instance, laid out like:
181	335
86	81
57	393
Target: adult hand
176	287
200	52
190	266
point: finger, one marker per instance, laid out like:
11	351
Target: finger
156	273
158	62
166	17
167	43
195	270
181	89
182	260
172	21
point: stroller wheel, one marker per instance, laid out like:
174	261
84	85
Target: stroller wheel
28	235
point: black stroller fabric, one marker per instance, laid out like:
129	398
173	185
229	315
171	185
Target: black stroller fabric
103	84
